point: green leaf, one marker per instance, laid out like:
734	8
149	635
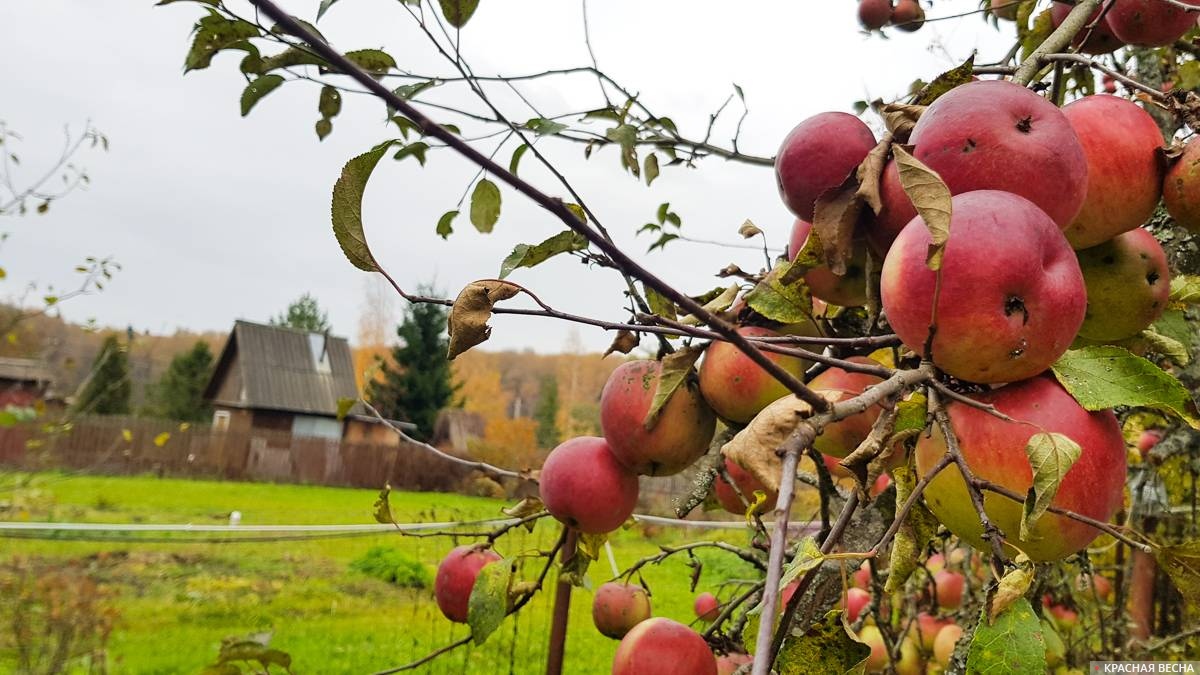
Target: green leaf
544	127
330	102
485	205
344	404
779	301
1012	587
347	207
458	12
213	34
1164	344
290	57
325	5
409	91
675	371
1185	289
930	196
919	526
826	647
590	544
323	128
516	158
444	229
417	150
525	255
1010	645
524	508
651	168
808	557
1174	324
1187	77
720	302
625	135
382	508
947	81
1182	564
911	414
374	61
660	305
1106	376
1051	456
661	242
1030	38
489	600
258	89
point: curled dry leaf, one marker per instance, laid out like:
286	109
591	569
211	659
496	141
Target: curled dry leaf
834	218
870	172
624	342
749	229
1187	106
753	448
720	303
900	118
471	311
931	198
1012	587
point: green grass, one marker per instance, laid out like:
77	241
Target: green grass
178	600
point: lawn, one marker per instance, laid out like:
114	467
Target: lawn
176	601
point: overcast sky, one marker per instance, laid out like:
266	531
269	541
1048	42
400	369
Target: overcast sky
215	217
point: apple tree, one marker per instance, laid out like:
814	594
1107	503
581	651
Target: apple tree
980	333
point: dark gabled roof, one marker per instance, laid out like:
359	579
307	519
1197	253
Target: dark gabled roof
278	369
24	370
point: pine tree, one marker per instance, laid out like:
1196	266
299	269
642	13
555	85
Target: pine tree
416	385
179	394
546	413
108	386
304	314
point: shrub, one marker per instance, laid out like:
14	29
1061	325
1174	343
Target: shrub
389	564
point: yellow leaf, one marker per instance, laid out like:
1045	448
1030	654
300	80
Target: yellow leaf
161	439
127	435
930	197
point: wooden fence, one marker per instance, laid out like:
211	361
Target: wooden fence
126	445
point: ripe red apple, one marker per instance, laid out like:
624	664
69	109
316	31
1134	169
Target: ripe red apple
707	607
847	290
1004	9
1085	583
1127	286
862	576
995	451
1150	23
842	437
1181	187
1101	41
456	577
1122	144
943	644
661	646
908	16
874	14
618	607
1064	617
583	485
856	599
818	155
729	663
949	586
785	596
735	387
928	627
1110	84
835	469
936	563
1148	439
746	483
678	438
1012	296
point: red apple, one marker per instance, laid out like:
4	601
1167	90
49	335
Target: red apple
936	563
1127	286
928	627
1181	187
943	644
909	662
878	659
874	14
618	607
1101	41
661	646
819	155
1004	9
949	586
1148	439
994	135
729	663
1085	583
862	576
1123	145
746	483
835	469
785	596
1064	617
881	484
1012	296
856	599
908	16
456	577
1110	84
584	486
995	451
847	290
1150	23
842	437
707	607
736	387
678	438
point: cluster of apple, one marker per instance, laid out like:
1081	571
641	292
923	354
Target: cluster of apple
1143	23
906	15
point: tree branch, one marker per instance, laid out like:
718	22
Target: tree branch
1058	40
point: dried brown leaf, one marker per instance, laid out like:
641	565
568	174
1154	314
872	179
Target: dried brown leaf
836	214
870	172
753	448
1012	587
900	118
748	230
624	342
931	198
471	311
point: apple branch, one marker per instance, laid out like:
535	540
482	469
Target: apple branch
1057	41
902	513
668	551
730	607
554	205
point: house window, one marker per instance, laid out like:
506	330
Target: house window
317	344
221	420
